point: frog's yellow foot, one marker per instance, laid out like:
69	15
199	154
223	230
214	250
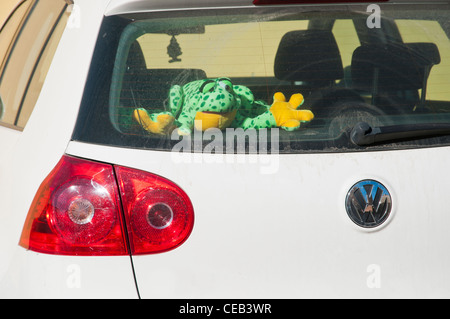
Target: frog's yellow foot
294	102
159	124
305	115
291	125
286	114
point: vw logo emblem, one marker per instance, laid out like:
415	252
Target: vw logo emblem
368	204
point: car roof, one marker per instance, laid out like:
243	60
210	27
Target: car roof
134	6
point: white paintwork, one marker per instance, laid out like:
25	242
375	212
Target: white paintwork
287	234
33	154
129	6
33	275
284	234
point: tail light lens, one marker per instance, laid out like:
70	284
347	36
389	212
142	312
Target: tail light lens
159	214
77	211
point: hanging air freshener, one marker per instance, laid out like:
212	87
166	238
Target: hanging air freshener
174	50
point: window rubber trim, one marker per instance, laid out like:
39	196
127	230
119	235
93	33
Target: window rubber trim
38	60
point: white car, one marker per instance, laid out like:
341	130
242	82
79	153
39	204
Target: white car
224	149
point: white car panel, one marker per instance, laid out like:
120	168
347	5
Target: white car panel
33	154
266	226
37	276
264	236
8	141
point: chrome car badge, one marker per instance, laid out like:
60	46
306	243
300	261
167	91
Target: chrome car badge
368	204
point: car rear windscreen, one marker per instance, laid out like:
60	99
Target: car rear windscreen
298	78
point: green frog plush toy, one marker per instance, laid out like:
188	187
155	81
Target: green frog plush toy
217	103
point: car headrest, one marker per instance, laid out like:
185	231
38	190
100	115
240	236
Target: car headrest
400	66
427	52
309	55
136	60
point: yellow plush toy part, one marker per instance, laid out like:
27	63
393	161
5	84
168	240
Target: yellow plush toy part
160	124
286	114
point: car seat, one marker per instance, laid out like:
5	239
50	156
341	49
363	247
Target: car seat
309	56
311	61
393	73
149	88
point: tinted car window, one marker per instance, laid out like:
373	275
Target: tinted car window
29	56
10	28
350	67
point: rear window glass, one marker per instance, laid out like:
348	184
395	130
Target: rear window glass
300	78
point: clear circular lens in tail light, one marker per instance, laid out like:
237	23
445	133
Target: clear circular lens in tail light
155	211
83	211
159	214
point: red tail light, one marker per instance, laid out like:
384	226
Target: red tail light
77	211
159	214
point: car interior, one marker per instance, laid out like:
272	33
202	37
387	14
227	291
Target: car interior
387	78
